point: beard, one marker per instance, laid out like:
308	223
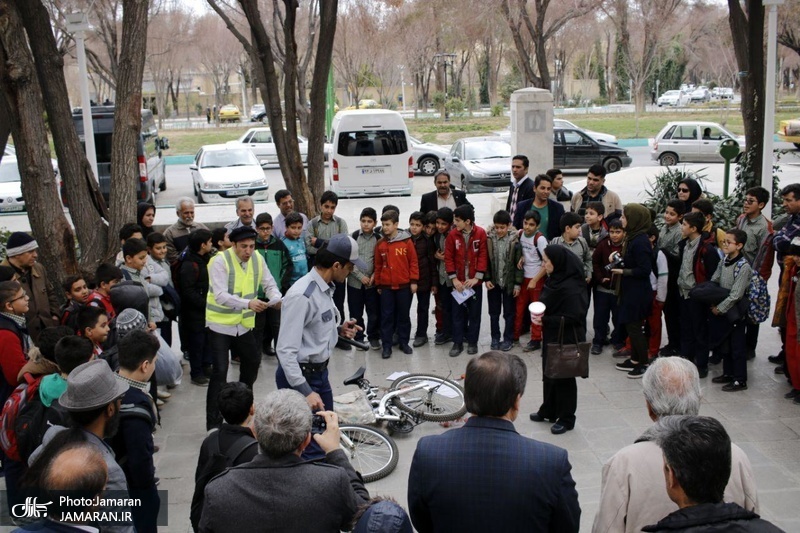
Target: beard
112	426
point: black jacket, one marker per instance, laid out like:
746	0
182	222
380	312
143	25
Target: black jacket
193	286
525	192
428	202
713	517
554	213
425	248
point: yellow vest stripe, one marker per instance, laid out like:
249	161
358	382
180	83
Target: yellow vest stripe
239	281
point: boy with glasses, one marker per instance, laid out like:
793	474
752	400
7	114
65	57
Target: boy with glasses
279	263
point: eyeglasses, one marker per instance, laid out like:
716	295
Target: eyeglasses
683	189
25	295
264	229
750	200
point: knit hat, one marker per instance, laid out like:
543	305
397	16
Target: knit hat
20	242
130	320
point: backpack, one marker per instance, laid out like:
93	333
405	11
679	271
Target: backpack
15	404
218	462
535	242
33	421
758	299
170	302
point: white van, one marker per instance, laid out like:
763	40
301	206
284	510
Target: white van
371	154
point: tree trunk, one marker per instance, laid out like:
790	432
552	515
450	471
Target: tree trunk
22	95
5	126
85	201
127	118
748	46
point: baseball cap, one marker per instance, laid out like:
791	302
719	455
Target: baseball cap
346	247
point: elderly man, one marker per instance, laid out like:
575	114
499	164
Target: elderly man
696	466
443	196
632	491
521	188
21	255
486	476
285	202
596	191
279	489
177	235
245	211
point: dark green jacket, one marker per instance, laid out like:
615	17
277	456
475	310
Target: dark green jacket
507	264
279	263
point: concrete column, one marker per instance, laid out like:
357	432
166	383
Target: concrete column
532	127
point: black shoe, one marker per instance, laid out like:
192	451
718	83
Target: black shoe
703	372
776	359
456	350
441	338
208	370
668	351
270	351
626	366
200	381
735	386
779	370
559	429
597	349
532	346
387	353
714	360
751	353
722	379
419	341
506	346
406	349
495	345
472	349
375	344
792	394
638	372
797	400
536	417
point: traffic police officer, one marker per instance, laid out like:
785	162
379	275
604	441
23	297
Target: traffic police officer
309	323
235	277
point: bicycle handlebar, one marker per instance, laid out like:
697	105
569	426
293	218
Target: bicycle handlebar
352	342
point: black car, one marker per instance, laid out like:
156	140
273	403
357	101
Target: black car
574	149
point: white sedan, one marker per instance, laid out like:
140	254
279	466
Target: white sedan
259	141
674	98
221	173
428	157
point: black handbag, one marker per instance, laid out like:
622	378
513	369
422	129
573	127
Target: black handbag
567	360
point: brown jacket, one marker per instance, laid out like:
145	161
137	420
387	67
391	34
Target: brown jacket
44	301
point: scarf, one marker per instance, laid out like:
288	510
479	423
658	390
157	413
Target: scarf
638	223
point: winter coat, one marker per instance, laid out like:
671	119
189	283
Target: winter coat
193	287
512	275
279	262
599	261
43	304
12	355
396	264
472	254
425	249
154	314
712	517
636	293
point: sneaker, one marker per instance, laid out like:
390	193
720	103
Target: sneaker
375	344
200	381
735	386
163	395
618	347
637	372
456	350
626	366
597	349
776	359
406	349
622	353
506	346
472	349
387	353
532	346
420	341
441	338
160	403
722	379
270	351
343	346
668	351
495	345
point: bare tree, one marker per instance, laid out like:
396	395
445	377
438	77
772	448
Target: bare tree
169	34
789	33
355	46
219	54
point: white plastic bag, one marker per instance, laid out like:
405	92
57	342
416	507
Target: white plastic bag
353	408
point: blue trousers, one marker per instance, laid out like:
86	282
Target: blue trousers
395	311
500	300
357	301
605	308
467	318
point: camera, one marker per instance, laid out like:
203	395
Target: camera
318	424
615	263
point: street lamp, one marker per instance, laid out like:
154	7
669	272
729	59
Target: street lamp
557	83
78	24
769	101
402	85
447	60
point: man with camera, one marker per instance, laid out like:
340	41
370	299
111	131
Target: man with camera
277	487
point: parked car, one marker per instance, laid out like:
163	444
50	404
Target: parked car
10	185
574	148
224	172
258	113
700	95
674	98
690	141
365	104
789	131
722	93
480	164
602	137
428	157
260	142
229	113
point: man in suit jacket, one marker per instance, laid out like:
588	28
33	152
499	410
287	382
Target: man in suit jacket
277	490
521	184
549	209
485	476
443	196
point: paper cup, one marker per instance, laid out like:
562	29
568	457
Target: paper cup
536	309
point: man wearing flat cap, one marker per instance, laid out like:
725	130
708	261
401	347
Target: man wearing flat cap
21	255
235	277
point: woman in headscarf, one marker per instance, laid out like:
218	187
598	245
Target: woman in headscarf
565	297
635	291
689	190
145	216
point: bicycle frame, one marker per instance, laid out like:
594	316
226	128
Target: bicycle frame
382	408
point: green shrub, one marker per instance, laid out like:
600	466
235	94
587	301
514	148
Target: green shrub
455	106
497	110
665	188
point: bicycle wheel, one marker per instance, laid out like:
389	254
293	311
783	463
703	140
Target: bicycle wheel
373	453
445	400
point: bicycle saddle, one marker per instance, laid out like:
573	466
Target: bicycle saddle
355	378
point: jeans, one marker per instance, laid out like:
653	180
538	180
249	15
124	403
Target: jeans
467	318
605	307
423	311
500	300
243	346
526	296
357	301
319	383
196	345
395	310
694	332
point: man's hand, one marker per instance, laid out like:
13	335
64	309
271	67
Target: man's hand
257	305
313	241
314	401
413	288
349	329
151	326
521	263
489	285
329	440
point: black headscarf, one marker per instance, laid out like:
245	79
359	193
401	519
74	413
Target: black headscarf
695	191
568	276
141	209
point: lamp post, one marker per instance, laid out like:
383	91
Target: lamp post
77	24
403	85
769	100
557	84
447	60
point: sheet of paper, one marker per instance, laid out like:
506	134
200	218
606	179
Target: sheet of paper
464	295
395	375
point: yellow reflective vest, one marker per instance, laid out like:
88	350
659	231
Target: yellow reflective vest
240	283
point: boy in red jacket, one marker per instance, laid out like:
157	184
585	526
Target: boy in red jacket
396	275
466	260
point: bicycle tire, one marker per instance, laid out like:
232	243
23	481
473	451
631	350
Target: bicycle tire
441	408
374	454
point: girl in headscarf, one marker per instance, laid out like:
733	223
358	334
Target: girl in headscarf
145	216
564	295
689	190
636	293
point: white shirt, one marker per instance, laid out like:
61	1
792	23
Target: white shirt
532	258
